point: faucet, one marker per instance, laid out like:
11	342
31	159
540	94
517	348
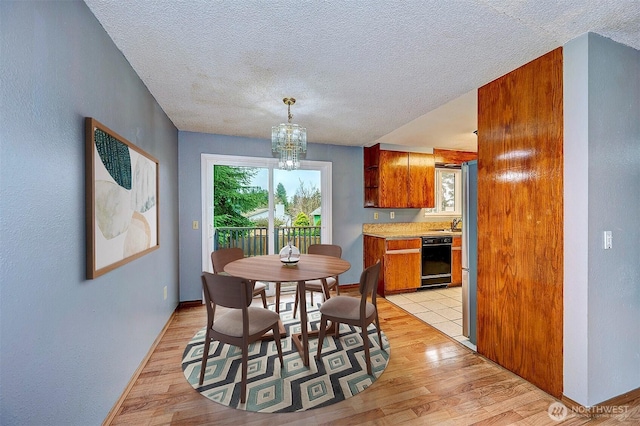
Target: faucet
455	222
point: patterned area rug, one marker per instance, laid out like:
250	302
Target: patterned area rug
341	374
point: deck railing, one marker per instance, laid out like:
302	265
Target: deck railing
254	241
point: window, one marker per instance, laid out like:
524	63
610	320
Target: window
448	193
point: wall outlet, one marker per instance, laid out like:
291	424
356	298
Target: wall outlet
195	224
165	292
375	216
392	215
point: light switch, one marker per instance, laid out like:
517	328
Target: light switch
392	215
195	224
608	240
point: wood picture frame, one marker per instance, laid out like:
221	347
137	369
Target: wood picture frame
121	185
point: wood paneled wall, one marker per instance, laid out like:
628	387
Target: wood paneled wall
520	221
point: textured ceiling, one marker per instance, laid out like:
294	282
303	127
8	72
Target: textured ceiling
397	72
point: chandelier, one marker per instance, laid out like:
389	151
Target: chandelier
289	141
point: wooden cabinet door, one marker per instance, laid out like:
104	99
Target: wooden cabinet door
394	175
456	261
374	250
422	175
402	265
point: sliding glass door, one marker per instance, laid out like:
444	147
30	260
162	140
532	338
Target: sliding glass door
248	202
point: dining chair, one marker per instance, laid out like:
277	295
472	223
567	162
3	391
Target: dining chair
220	258
241	326
326	284
354	311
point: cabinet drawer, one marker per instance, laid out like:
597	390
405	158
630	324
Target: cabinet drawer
414	243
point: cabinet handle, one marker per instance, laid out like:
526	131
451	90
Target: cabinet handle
402	251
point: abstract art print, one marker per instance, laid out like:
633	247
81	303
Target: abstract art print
122	200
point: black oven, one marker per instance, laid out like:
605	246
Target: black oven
436	261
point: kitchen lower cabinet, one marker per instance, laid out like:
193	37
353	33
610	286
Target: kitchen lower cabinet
401	263
456	262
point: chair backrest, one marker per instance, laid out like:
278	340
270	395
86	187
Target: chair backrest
325	249
221	257
227	291
369	283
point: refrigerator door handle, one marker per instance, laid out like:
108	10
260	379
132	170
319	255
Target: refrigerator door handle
466	325
465	216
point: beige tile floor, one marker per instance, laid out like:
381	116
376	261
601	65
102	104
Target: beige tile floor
439	307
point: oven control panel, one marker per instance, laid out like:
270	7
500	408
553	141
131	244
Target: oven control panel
436	240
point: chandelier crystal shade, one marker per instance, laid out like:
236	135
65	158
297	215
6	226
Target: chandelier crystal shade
289	141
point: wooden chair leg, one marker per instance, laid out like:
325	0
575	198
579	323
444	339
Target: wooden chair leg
379	334
263	295
325	291
365	342
276	339
205	355
278	297
322	330
245	364
295	303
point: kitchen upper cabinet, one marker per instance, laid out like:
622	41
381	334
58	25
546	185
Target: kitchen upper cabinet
394	173
422	176
396	179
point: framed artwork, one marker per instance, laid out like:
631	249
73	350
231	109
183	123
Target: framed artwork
122	200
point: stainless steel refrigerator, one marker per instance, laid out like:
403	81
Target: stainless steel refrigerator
469	248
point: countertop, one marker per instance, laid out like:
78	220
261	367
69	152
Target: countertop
408	230
397	235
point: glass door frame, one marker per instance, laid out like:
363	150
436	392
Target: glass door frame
207	161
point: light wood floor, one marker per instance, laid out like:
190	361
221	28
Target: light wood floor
430	379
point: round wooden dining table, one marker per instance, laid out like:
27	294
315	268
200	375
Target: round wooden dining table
309	267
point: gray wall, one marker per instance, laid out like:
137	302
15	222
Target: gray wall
347	202
602	167
70	346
